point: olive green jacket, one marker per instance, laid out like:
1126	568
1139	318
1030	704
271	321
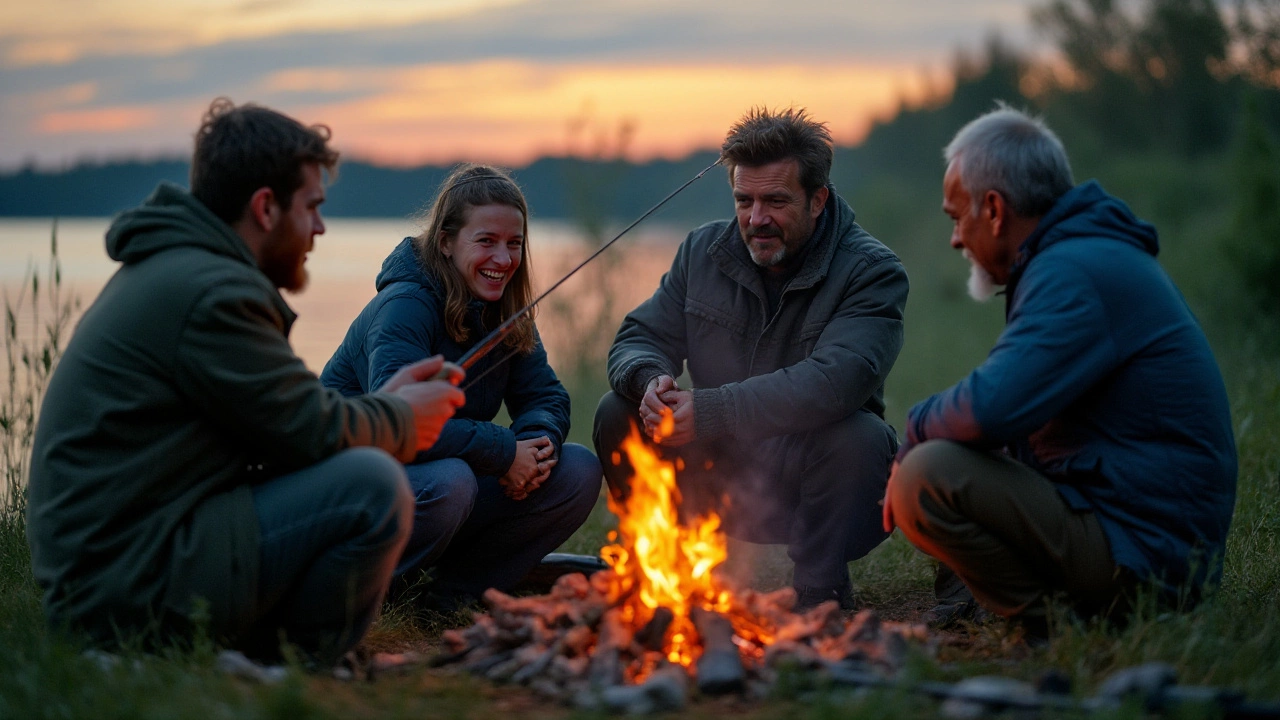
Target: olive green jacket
178	378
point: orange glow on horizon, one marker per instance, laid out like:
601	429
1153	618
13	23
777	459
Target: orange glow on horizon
102	120
513	112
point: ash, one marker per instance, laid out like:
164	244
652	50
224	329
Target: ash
576	645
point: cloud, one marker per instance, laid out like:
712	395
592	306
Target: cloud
101	120
340	55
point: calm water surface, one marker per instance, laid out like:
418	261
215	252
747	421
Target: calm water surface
343	266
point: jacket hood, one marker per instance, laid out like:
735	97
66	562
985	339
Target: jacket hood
171	218
1086	211
403	265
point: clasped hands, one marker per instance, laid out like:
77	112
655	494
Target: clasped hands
535	458
664	400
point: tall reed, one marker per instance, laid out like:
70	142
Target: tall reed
36	325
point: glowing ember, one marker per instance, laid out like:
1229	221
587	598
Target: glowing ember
656	561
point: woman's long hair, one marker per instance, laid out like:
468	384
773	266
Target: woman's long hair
471	186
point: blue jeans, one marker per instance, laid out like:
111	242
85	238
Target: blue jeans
476	537
330	535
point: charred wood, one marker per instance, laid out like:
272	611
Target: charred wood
654	632
720	668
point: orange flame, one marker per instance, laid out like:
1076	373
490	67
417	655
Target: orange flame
657	562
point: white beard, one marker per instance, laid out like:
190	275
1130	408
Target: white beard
982	287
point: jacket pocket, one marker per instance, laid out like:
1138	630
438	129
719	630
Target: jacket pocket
704	313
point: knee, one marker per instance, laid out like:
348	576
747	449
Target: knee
381	486
445	487
580	473
859	446
925	471
614	417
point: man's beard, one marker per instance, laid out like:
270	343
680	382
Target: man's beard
283	262
299	283
770	260
787	247
982	287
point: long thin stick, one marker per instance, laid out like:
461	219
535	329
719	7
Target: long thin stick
490	341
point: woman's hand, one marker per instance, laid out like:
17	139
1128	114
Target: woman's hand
531	468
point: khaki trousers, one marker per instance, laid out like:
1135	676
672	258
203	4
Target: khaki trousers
1004	529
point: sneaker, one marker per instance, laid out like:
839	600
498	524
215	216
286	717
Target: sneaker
543	576
956	604
947	615
809	597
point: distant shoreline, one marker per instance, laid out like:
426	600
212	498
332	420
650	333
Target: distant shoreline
557	188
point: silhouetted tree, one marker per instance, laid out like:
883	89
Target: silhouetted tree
1257	30
1254	240
1156	75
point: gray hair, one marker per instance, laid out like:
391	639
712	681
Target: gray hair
1014	154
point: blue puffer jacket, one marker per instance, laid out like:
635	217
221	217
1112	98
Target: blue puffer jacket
1103	381
404	323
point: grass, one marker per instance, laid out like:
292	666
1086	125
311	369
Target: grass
1231	640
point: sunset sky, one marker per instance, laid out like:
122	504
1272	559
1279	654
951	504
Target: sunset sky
411	81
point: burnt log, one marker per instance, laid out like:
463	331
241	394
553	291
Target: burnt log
540	663
577	640
483	664
606	661
720	668
664	690
564	669
654	632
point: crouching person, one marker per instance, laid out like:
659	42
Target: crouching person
1092	451
489	500
186	464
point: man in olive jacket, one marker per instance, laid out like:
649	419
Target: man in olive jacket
789	321
186	465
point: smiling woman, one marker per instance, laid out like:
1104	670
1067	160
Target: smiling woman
491	501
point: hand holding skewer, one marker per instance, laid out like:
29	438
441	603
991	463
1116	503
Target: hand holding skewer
433	402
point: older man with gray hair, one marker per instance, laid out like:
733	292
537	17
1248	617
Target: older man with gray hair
1092	451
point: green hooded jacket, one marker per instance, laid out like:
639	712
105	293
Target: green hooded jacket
177	380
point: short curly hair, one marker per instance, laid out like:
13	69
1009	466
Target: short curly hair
241	149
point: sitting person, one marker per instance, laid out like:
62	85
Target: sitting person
1092	451
491	501
186	464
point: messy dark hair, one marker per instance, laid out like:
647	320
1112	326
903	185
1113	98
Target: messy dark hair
241	149
471	186
762	137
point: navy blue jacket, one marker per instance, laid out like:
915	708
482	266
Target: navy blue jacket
1103	381
404	323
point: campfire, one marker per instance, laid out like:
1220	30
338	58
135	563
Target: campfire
631	637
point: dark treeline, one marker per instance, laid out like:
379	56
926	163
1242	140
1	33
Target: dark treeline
556	187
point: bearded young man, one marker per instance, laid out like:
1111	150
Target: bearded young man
788	321
186	465
1092	451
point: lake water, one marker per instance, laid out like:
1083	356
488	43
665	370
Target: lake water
347	258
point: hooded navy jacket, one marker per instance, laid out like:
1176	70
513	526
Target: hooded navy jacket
1104	382
404	323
